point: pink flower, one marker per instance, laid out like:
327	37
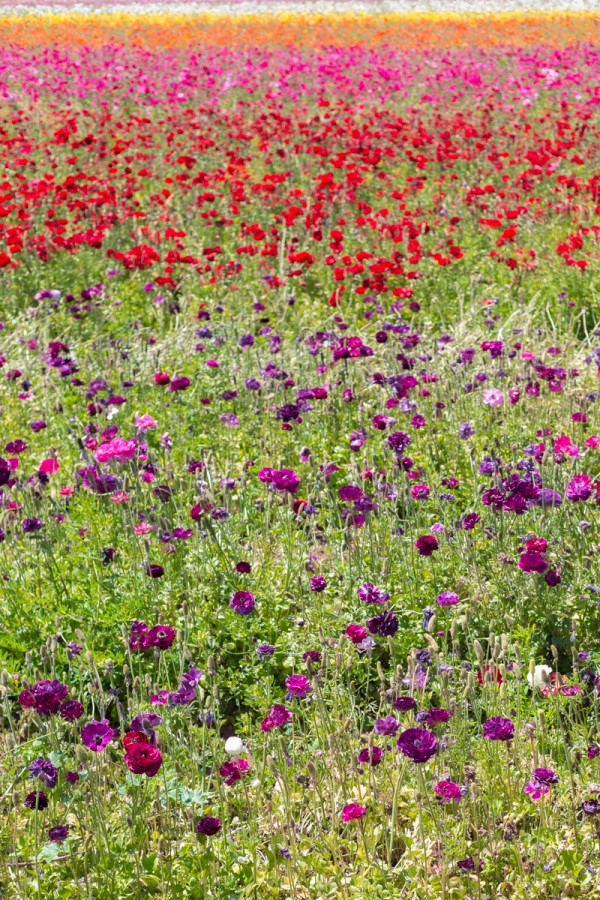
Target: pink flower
493	397
49	466
535	789
118	450
145	422
353	811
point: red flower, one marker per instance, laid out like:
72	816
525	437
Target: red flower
132	738
143	759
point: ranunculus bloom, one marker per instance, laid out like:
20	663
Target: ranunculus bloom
532	561
278	716
579	488
233	770
208	825
298	686
372	755
493	397
58	834
498	729
368	593
242	603
448	598
418	744
143	759
118	450
426	544
353	811
356	633
448	791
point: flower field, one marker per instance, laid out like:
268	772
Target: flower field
300	455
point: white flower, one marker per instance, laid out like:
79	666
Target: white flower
234	746
539	677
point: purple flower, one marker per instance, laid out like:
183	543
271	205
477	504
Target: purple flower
208	825
399	441
591	807
45	696
285	480
72	777
388	726
153	570
32	525
404	704
372	755
349	492
579	488
418	744
71	710
545	776
435	716
160	637
44	771
58	834
426	544
242	603
97	735
448	598
385	624
36	800
180	384
145	723
368	593
532	561
498	729
264	651
465	431
317	584
468	864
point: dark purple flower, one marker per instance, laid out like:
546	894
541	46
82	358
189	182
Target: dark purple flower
242	603
208	825
532	561
436	716
468	864
591	807
58	834
97	735
426	544
264	651
385	624
36	800
72	777
399	441
44	771
243	567
372	755
545	776
404	704
418	744
498	729
71	710
180	384
153	570
317	584
32	525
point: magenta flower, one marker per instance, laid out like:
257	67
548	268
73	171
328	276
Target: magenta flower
298	686
579	488
352	812
372	755
242	603
97	735
233	770
278	716
208	825
161	637
356	633
532	561
535	789
448	598
448	791
426	544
